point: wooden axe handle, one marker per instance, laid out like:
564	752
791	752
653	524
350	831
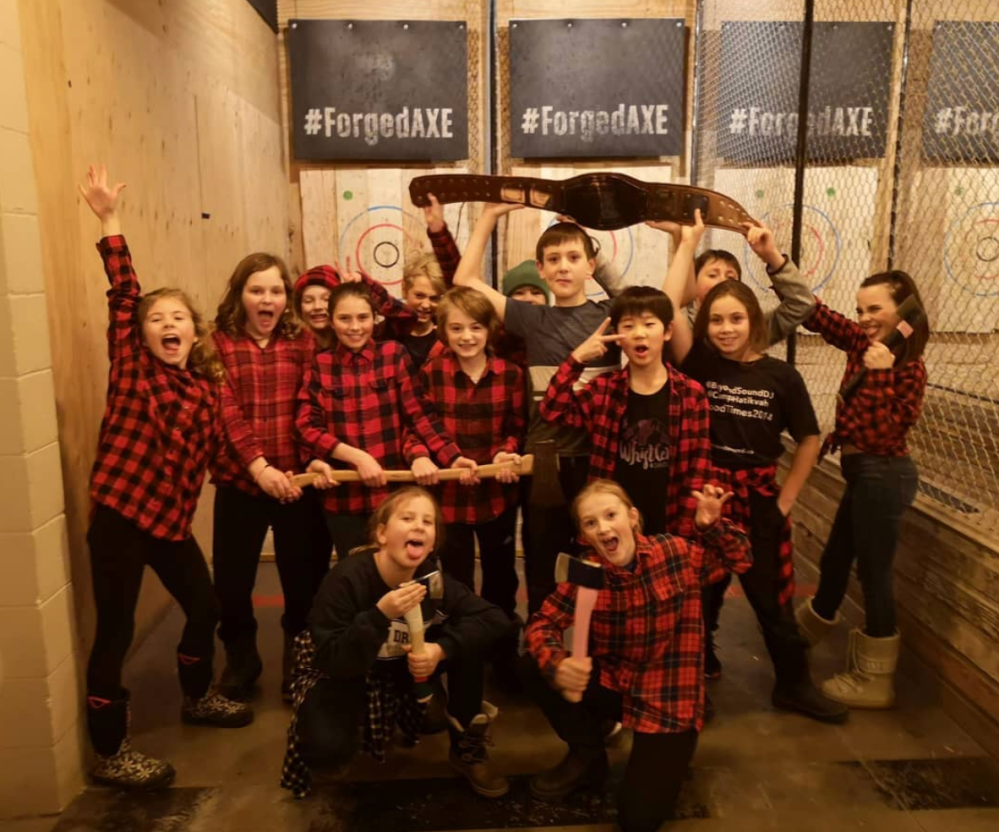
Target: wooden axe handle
525	468
414	620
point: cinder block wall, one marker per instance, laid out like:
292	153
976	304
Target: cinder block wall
40	743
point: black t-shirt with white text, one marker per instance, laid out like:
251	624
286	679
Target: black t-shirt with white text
752	403
644	456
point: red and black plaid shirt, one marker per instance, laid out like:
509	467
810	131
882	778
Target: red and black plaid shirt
601	407
485	418
885	405
647	632
763	480
259	404
160	426
366	399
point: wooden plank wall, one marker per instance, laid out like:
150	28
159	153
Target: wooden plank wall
332	204
181	100
642	254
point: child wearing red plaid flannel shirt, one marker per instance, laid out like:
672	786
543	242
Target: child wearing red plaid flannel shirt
646	652
480	399
881	480
753	399
354	408
266	353
160	429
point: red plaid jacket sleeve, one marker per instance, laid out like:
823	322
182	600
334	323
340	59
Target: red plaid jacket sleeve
242	439
386	304
693	458
888	403
725	549
446	252
311	422
544	635
422	419
124	333
836	328
563	403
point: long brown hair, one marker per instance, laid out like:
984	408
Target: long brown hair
203	359
759	337
231	315
901	286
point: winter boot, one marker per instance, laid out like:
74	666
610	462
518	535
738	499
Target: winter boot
216	710
869	680
287	667
794	690
470	757
578	769
812	625
116	764
242	669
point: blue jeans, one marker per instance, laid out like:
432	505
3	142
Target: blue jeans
878	489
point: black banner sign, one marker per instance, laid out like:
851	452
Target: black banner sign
961	119
585	88
849	88
267	9
379	90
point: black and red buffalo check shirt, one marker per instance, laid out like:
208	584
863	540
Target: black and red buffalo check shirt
484	418
367	399
160	426
887	403
602	405
259	404
647	630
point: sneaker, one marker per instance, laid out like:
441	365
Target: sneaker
129	769
215	709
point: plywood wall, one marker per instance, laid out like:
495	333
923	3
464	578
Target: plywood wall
181	100
333	206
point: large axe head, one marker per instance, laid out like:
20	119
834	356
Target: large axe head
580	572
435	584
546	490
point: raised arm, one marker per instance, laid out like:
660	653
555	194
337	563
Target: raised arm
470	266
796	300
445	248
675	285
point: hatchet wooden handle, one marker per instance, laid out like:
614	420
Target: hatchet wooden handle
586	599
526	468
414	620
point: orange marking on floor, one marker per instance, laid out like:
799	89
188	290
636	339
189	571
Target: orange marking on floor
268	600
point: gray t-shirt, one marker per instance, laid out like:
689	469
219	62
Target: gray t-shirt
551	333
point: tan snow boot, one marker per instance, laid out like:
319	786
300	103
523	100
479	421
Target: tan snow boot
470	757
812	626
869	680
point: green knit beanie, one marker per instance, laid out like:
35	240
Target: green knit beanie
526	274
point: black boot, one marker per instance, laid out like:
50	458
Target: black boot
578	769
116	764
712	666
242	669
794	690
470	757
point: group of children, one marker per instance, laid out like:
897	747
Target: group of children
668	479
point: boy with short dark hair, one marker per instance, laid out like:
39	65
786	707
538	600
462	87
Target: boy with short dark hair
565	260
648	422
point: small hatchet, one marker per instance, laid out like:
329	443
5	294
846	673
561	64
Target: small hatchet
414	620
589	580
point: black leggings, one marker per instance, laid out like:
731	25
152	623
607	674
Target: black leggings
119	553
497	555
333	709
301	551
658	763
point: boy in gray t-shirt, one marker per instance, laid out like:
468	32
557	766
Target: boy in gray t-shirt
565	259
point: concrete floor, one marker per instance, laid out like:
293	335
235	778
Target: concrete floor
909	770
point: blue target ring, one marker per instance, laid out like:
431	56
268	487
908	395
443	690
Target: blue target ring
404	215
993	238
749	259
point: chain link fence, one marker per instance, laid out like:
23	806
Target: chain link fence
899	171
